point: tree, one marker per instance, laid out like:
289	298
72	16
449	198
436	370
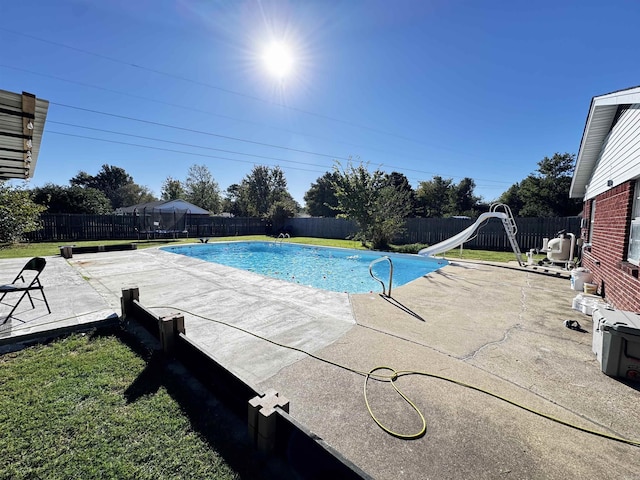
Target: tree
18	213
201	189
172	189
257	188
440	197
320	199
462	201
234	201
72	199
432	197
133	194
512	198
262	188
379	209
545	193
117	185
108	180
400	182
280	211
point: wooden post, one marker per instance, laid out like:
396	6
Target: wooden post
262	419
126	301
169	328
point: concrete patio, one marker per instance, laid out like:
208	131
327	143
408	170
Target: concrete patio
498	328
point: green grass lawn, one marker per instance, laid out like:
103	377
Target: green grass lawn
89	406
44	249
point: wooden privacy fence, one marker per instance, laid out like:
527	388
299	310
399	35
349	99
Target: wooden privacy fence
77	227
490	236
226	226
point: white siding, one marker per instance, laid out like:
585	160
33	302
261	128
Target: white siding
619	159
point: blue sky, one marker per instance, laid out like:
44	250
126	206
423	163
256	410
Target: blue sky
480	89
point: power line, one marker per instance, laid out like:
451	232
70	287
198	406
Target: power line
191	108
183	107
175	127
208	85
333	157
182	152
184	144
208	112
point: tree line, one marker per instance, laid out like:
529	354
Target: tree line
377	201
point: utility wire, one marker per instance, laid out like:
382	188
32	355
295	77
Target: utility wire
200	132
191	130
277	159
185	144
207	112
189	108
208	85
181	152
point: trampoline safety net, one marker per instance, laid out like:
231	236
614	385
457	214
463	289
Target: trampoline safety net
155	222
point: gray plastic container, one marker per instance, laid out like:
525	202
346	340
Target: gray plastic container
616	334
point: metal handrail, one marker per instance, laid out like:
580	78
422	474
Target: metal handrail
282	237
507	210
381	259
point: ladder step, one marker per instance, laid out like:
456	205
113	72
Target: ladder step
510	228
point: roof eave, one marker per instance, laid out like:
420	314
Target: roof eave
597	126
22	121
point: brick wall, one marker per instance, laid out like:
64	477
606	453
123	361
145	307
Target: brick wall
617	280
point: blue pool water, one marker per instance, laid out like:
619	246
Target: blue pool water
333	269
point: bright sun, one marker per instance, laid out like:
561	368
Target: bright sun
278	59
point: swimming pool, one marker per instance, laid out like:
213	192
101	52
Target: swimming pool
326	268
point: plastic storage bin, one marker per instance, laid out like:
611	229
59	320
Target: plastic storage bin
616	342
587	303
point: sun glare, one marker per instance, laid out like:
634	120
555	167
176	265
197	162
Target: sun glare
278	60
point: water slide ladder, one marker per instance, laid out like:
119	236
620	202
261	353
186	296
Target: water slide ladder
510	228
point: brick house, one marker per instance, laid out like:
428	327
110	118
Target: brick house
607	178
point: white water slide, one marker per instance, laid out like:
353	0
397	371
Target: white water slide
467	233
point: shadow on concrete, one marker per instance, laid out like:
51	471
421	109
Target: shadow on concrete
635	385
402	307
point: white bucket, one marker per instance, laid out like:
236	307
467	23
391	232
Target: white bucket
580	276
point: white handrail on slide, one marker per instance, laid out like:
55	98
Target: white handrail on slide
467	233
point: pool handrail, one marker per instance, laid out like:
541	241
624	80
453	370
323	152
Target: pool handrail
381	259
282	237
